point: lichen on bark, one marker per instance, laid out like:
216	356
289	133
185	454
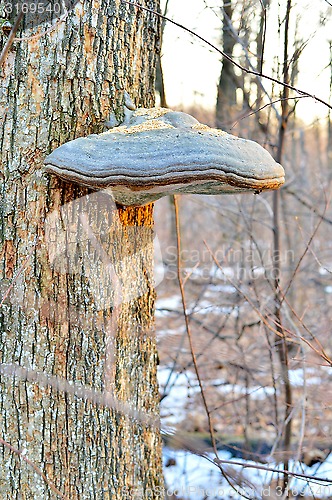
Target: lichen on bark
64	327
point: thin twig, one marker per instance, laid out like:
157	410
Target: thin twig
11	38
188	330
284	293
20	454
282	345
305	477
43	33
246	114
230	59
100	398
21	269
250	65
264	320
183	444
306	204
320	350
241	292
192	350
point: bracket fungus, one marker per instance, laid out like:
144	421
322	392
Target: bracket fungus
158	152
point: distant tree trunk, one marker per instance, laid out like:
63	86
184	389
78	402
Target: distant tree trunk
78	354
260	42
226	93
281	344
329	125
160	83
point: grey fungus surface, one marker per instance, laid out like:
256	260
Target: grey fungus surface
159	152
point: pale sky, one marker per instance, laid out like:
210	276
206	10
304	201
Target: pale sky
191	68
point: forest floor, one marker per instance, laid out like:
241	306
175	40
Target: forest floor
239	367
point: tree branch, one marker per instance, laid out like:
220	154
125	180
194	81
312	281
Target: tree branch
302	93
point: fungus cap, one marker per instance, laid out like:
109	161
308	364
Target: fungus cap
159	152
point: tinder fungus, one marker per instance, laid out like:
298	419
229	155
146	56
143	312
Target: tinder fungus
159	152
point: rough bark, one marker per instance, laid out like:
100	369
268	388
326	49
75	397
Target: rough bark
76	327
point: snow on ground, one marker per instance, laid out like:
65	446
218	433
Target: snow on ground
193	477
311	375
213	289
179	387
205	307
167	304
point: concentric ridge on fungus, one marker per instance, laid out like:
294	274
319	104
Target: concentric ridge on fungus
161	152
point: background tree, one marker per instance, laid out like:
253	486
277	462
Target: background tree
68	353
160	83
329	123
259	311
226	98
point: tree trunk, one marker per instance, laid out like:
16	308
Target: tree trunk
226	95
329	122
260	44
160	82
79	396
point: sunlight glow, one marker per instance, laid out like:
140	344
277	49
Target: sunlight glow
192	69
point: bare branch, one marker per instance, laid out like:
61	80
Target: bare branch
269	469
308	205
193	355
242	68
11	38
40	473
